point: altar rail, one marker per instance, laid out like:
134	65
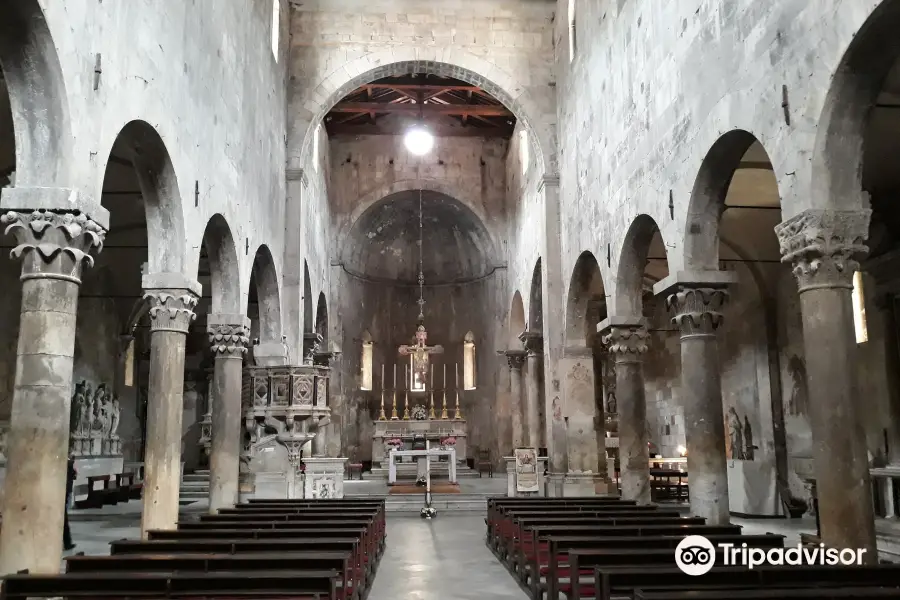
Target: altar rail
285	387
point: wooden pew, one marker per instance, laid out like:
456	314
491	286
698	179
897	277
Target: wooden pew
857	593
312	585
98	492
496	506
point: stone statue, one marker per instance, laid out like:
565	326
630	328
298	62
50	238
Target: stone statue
798	400
4	440
89	416
611	404
76	418
115	416
748	439
735	432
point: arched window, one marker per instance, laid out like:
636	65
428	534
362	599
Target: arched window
315	153
571	30
276	26
859	309
129	364
524	156
366	362
417	382
469	362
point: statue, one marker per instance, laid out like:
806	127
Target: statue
748	439
4	436
115	416
798	400
88	420
611	404
735	432
77	410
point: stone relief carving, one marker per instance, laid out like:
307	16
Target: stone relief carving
94	421
4	441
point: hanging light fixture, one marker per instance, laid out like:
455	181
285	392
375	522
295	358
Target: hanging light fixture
419	141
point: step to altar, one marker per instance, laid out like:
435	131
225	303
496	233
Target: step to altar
412	503
409	471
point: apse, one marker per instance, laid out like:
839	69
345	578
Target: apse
383	243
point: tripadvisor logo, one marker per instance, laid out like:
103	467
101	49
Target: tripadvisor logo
696	555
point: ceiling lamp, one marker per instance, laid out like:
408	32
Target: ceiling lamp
419	141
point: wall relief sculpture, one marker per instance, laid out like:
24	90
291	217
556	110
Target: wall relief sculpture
94	421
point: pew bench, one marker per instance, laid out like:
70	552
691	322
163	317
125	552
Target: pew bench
865	593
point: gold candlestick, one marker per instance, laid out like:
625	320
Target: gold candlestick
444	414
394	409
406	393
431	414
381	415
459	414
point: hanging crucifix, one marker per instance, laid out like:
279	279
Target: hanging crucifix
420	353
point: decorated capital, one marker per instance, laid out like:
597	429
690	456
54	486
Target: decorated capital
228	340
515	358
697	310
53	244
824	246
533	342
627	342
171	310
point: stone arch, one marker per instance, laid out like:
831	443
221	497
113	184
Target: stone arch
701	245
141	144
585	292
308	322
516	320
456	63
267	294
629	297
37	94
223	266
535	301
838	155
322	317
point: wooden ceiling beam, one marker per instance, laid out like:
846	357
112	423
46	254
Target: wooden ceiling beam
436	130
480	110
418	88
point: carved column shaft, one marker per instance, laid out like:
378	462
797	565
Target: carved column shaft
53	247
516	359
171	313
228	337
822	246
628	344
534	346
698	313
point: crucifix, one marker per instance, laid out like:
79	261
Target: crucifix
420	353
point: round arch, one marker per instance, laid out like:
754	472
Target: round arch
37	94
268	297
516	320
535	301
629	295
223	266
585	286
322	317
456	63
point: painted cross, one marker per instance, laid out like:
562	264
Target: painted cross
420	353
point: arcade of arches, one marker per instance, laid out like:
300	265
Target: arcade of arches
644	235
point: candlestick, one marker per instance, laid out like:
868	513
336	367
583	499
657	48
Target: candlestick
394	409
431	414
381	415
459	414
406	393
444	414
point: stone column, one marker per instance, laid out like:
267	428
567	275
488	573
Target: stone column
228	338
516	359
54	246
696	300
534	346
822	246
626	339
172	298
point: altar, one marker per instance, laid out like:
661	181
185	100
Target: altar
434	430
421	456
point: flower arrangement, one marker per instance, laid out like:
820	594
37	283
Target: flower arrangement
448	441
395	442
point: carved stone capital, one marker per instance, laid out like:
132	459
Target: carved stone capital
697	310
515	359
53	244
824	246
171	309
228	340
533	342
627	342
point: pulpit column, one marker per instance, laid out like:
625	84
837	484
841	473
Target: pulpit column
697	301
534	347
626	339
228	338
822	246
54	246
172	298
516	359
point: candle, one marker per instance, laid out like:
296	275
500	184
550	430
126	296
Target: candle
406	375
395	376
457	377
382	377
445	376
432	376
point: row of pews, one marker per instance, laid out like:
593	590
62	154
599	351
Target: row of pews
299	549
603	548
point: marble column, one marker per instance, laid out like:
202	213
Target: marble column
54	246
822	246
172	298
626	340
697	300
516	359
534	347
228	338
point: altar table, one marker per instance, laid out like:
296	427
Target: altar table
422	455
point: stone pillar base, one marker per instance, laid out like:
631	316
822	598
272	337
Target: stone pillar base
324	477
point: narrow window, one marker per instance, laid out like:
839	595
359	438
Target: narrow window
129	364
276	26
523	150
859	309
571	30
416	380
315	152
469	362
366	382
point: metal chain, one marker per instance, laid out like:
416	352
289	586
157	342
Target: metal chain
421	265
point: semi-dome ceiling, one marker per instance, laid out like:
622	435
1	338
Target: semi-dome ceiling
383	243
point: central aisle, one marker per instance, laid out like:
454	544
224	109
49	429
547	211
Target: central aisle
439	559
